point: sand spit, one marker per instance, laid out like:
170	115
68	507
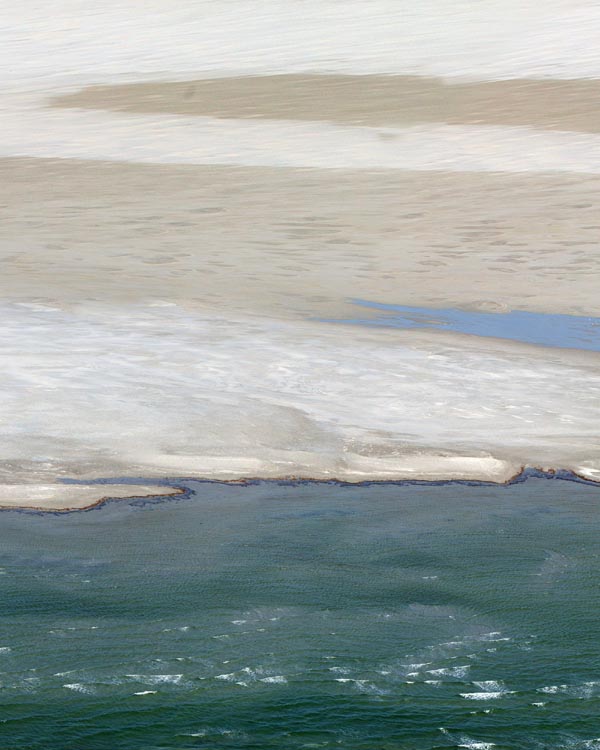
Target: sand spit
295	244
366	100
62	497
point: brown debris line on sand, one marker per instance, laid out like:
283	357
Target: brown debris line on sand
371	100
54	497
291	243
59	504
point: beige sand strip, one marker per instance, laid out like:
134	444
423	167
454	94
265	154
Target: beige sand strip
373	100
296	243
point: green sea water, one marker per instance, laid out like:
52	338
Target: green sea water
380	617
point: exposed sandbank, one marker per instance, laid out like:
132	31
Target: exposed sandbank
372	100
61	497
290	243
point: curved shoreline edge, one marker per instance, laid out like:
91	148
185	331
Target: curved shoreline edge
182	492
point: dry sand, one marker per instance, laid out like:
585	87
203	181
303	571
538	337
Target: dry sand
297	243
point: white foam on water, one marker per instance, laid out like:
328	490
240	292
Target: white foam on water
363	686
584	690
229	676
79	687
5	649
454	672
467	742
483	696
146	692
489	690
491	685
215	731
156	679
345	670
247	675
493	637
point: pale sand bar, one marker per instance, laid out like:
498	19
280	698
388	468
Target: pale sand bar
61	497
287	243
371	100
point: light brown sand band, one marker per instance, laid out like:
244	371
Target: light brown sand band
371	100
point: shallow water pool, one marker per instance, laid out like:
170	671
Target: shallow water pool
547	329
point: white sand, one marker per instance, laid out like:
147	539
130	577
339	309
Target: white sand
76	41
156	391
71	497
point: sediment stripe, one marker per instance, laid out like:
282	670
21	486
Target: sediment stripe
368	100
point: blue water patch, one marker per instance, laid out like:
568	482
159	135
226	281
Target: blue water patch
547	329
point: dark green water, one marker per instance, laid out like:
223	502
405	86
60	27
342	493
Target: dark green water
315	616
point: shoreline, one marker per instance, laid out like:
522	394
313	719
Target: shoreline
180	490
305	400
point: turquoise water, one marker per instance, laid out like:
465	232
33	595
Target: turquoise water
380	617
546	329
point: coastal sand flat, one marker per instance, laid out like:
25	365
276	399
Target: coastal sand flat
291	243
372	100
163	320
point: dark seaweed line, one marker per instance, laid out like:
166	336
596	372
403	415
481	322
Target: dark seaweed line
183	492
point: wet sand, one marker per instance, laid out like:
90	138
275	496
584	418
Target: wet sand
371	100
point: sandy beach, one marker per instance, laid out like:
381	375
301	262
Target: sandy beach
182	228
